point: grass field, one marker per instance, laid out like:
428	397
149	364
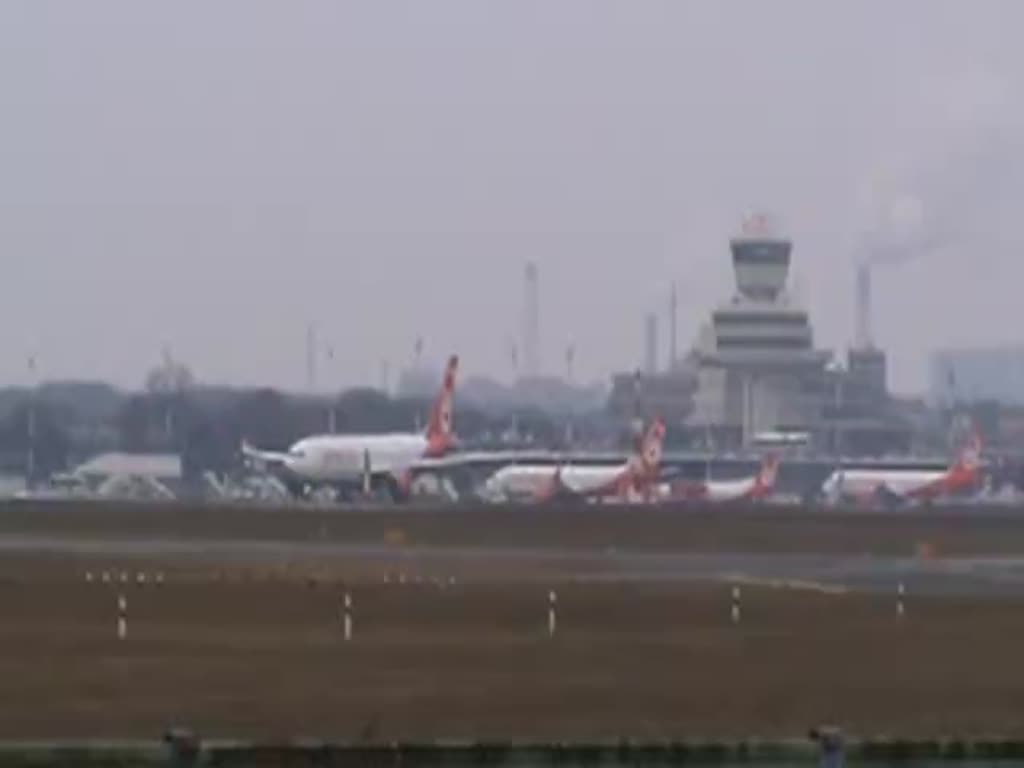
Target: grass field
259	652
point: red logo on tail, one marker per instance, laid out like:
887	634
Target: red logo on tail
769	472
644	468
440	430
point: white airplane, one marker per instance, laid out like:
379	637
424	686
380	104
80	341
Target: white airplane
870	485
542	482
754	488
389	458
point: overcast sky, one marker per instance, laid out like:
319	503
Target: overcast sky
216	175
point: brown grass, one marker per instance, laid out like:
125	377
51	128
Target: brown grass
257	654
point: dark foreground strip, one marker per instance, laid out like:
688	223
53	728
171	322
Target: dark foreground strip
232	755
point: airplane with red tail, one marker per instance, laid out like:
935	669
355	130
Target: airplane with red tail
870	485
632	480
757	487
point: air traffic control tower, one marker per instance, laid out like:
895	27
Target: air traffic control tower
757	367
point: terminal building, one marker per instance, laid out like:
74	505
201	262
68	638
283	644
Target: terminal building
755	374
756	364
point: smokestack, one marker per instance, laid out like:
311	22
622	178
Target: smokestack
673	310
863	306
651	341
531	321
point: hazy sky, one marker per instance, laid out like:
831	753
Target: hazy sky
215	175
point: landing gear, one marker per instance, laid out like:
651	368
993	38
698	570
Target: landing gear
393	491
297	489
886	499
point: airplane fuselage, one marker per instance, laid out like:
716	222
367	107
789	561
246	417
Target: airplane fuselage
532	481
908	484
342	458
741	489
731	490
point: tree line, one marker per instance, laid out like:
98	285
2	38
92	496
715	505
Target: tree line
55	426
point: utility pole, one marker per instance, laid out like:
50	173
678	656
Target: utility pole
331	405
673	312
171	386
30	458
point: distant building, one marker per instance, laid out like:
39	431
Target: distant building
975	374
667	395
548	394
130	475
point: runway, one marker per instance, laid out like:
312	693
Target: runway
977	576
235	621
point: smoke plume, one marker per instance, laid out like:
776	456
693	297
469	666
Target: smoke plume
956	188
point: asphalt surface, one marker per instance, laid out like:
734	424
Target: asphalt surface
966	551
1003	576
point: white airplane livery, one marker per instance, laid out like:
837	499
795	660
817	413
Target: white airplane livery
389	457
542	482
756	488
870	485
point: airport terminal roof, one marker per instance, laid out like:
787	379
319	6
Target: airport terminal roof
156	465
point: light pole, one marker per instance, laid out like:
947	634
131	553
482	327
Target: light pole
30	458
332	418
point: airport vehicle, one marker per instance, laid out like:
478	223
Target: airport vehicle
630	480
894	486
755	488
344	461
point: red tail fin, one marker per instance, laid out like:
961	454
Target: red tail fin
767	475
965	471
970	453
643	467
440	430
651	447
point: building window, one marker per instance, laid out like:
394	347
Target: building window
763	342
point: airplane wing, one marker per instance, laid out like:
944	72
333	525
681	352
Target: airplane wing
482	459
669	473
267	457
495	459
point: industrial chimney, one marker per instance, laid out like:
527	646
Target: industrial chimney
866	363
863	307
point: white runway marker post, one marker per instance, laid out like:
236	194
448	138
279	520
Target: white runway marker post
900	594
347	617
122	617
552	619
735	605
